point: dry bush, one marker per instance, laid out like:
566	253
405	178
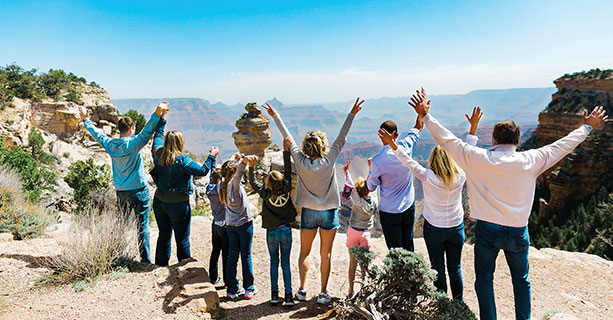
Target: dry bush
17	215
99	241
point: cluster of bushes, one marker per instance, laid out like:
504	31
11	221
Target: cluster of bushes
402	289
17	215
593	74
32	163
587	228
579	100
30	84
138	118
87	178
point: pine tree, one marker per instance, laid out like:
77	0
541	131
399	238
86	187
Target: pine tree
603	195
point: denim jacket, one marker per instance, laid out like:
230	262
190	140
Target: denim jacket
176	177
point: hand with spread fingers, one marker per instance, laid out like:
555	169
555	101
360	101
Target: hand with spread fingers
271	111
388	138
419	102
474	120
357	106
214	151
596	117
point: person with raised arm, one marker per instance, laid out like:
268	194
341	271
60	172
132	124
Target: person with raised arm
501	183
318	193
443	229
219	234
129	177
397	193
172	173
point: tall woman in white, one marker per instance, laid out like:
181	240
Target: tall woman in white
442	181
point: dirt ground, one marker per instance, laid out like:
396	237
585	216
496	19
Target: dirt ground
573	283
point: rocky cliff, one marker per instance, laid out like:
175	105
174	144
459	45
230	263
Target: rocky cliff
581	173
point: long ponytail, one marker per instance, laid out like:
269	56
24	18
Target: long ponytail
443	166
228	169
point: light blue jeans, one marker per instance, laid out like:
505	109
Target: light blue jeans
490	238
280	239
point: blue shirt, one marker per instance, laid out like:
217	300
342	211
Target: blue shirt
394	180
128	170
218	209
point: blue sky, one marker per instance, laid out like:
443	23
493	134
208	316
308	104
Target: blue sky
307	51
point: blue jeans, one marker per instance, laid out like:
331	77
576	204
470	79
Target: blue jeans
239	241
311	219
138	201
489	239
280	238
172	217
398	228
448	242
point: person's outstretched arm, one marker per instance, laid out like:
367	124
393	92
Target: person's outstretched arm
293	149
287	162
98	134
192	168
418	171
255	184
549	155
474	119
158	137
348	179
143	137
338	144
463	153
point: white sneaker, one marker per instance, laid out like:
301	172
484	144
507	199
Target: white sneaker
300	295
250	293
238	294
324	298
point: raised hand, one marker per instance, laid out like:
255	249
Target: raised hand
596	117
287	142
237	156
271	111
83	113
357	106
474	120
161	108
388	138
419	102
251	159
346	166
214	151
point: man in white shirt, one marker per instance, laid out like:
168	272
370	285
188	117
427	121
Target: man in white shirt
501	183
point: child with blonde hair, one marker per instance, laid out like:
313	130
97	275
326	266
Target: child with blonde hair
278	212
360	222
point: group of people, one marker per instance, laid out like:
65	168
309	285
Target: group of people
500	183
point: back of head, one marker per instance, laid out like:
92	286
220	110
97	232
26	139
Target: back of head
275	182
228	169
315	144
361	187
506	132
389	126
443	166
173	146
125	124
216	175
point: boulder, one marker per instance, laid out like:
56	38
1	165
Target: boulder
193	288
253	135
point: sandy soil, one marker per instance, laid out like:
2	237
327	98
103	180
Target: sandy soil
574	283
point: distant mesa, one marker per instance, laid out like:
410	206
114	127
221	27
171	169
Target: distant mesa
253	135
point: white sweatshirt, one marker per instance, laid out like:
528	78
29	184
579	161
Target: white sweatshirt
442	206
501	181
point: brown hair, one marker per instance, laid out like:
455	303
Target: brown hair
228	169
216	175
315	144
506	132
125	124
389	126
361	187
173	146
275	182
443	166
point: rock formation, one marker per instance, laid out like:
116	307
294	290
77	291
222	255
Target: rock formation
581	173
253	135
192	287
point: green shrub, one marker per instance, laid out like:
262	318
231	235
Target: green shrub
138	118
85	177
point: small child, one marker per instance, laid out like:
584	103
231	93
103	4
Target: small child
278	212
360	222
218	229
239	225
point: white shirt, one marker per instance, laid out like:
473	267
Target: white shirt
501	181
442	206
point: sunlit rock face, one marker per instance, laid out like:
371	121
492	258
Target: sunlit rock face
253	135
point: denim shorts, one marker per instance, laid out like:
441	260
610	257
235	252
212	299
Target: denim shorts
312	219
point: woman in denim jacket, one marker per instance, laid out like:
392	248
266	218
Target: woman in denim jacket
172	174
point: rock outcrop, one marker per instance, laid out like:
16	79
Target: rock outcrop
253	135
192	288
580	174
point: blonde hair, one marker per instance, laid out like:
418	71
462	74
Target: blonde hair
315	144
275	182
228	169
173	146
443	166
361	188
